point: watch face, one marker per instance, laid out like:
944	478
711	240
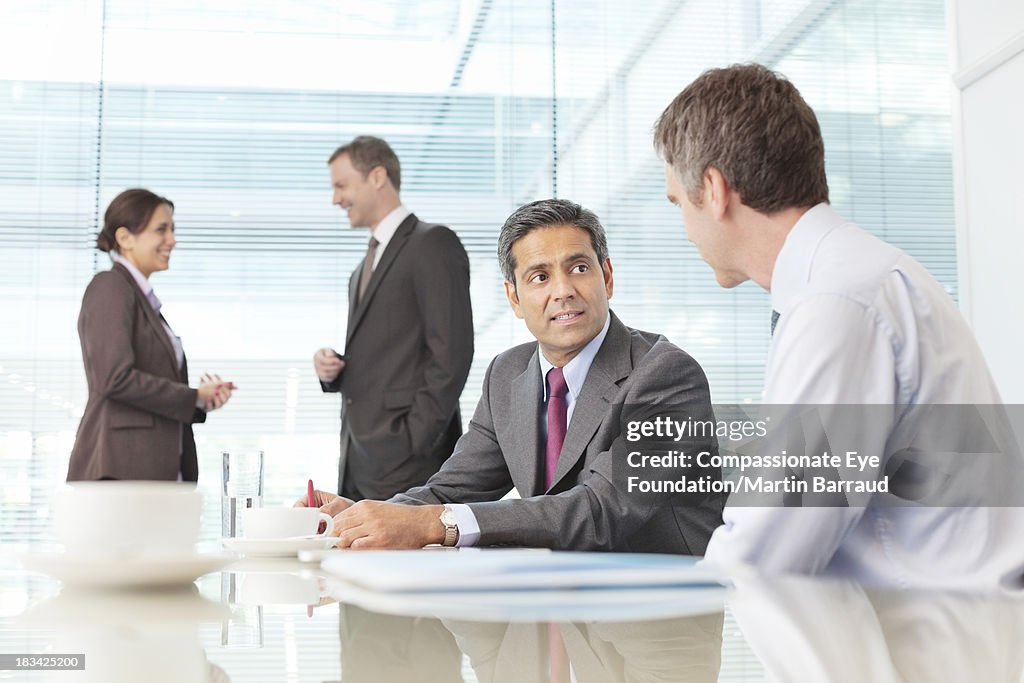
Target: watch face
448	517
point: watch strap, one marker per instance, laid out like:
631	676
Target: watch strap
451	529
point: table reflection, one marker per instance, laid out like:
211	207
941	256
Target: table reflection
754	630
383	647
128	636
806	630
687	649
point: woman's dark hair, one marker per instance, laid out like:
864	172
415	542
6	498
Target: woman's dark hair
131	209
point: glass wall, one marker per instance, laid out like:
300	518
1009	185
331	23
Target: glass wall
231	109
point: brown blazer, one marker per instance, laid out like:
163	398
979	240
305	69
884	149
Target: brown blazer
138	420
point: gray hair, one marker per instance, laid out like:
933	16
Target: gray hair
541	214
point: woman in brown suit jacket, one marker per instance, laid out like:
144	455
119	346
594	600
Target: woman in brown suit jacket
138	420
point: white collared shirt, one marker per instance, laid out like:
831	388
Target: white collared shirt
385	230
147	289
575	373
861	322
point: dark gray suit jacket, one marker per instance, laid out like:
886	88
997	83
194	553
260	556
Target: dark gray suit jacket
409	347
140	408
587	507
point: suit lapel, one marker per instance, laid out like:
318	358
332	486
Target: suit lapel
524	456
612	364
149	314
395	245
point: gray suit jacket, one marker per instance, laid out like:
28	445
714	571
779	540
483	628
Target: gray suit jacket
587	507
137	422
409	347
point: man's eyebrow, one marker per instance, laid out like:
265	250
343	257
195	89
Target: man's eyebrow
579	256
546	265
537	265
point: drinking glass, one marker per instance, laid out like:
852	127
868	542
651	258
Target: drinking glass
242	488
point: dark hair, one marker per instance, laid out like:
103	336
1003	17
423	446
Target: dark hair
544	213
752	125
367	153
131	209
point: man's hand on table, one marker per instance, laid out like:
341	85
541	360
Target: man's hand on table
373	524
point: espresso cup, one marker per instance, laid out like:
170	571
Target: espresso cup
284	522
128	517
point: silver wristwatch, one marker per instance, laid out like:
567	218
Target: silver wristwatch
451	529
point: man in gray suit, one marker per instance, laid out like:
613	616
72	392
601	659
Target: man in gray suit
550	421
409	343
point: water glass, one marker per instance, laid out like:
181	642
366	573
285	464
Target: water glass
244	627
242	488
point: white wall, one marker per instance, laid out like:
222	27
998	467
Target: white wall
988	73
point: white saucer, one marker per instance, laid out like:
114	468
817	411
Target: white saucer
134	571
278	547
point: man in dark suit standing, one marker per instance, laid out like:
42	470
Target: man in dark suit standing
551	421
409	343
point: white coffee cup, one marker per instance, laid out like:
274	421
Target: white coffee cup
128	517
284	522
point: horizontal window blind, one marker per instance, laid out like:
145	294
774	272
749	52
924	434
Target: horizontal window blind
875	73
231	109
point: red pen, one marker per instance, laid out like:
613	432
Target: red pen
310	496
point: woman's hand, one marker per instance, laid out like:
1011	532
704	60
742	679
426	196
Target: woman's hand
214	392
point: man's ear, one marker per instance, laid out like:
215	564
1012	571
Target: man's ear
513	298
717	192
378	177
609	281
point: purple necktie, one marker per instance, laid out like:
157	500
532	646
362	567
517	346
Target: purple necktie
557	391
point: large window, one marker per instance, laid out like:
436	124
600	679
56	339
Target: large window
231	108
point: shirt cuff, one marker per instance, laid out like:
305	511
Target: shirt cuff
469	529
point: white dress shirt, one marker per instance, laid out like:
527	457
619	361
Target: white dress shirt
861	322
385	230
575	373
143	282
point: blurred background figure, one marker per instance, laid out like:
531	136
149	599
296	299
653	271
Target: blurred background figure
138	420
409	340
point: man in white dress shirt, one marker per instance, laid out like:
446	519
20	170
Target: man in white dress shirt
855	321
